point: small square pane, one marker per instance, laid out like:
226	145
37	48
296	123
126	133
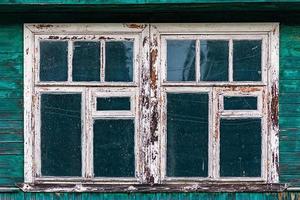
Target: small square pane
247	60
181	60
61	134
114	148
53	61
214	56
113	103
86	61
119	61
240	147
240	103
187	135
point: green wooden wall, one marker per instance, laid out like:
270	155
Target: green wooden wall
11	116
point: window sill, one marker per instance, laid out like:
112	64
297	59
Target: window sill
145	188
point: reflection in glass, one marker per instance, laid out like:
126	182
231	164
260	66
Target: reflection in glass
240	147
214	60
240	103
113	103
53	61
86	61
119	61
114	148
181	60
247	60
187	135
61	134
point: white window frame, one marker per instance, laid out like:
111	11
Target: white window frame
148	97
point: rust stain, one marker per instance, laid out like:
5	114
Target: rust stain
153	75
41	26
105	38
137	26
27	51
274	105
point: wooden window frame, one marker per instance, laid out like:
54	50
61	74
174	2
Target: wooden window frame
148	91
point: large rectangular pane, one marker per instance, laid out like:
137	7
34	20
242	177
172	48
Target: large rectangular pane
53	61
214	56
240	147
240	103
114	148
86	61
113	103
181	60
247	60
187	135
61	134
119	61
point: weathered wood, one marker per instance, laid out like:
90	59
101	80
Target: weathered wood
207	187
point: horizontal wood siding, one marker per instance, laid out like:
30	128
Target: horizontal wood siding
11	104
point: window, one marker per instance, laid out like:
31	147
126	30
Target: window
136	104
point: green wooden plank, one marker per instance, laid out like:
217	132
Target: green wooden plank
11	64
11	105
10	84
11	137
11	124
16	93
11	148
11	169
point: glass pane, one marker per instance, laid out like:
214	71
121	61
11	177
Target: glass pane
247	60
53	61
61	134
187	135
240	147
214	60
181	60
119	61
86	61
240	103
113	103
114	148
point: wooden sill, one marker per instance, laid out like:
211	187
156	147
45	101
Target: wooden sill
145	188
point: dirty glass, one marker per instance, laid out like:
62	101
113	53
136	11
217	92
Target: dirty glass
240	147
187	134
214	60
53	61
119	61
114	148
240	103
113	103
181	60
86	61
61	134
247	60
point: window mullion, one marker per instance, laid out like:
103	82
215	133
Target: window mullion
87	139
70	60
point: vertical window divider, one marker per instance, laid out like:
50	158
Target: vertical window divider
230	60
70	60
215	136
102	61
197	63
87	170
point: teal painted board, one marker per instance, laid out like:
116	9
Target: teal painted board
289	99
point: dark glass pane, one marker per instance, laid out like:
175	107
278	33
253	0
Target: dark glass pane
61	134
119	61
53	61
214	60
181	60
114	148
187	135
247	60
240	103
113	103
86	61
240	148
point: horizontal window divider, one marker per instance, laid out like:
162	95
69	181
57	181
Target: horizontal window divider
240	114
217	84
85	84
116	117
147	188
